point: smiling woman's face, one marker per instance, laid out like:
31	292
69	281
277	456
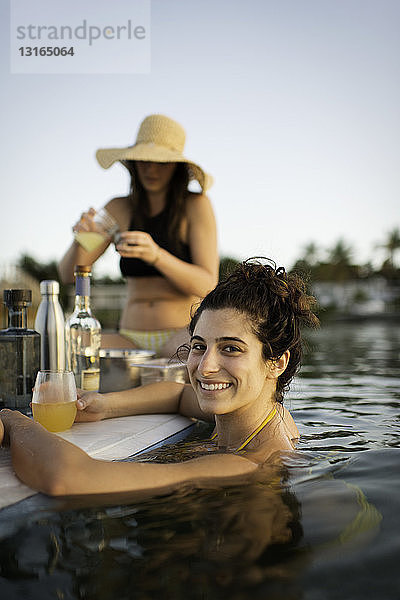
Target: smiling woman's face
225	363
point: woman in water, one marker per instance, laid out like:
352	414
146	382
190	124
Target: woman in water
168	244
245	347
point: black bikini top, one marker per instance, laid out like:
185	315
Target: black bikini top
157	227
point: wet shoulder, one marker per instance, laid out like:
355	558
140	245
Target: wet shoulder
289	423
279	436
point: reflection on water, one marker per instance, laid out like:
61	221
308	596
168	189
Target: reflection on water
202	544
347	398
322	526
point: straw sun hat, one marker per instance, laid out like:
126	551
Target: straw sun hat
160	139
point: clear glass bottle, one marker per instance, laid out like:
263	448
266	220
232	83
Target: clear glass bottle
49	322
83	335
19	353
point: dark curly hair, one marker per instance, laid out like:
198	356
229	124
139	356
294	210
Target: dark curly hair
277	306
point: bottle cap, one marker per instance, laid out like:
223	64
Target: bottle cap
17	297
82	269
49	286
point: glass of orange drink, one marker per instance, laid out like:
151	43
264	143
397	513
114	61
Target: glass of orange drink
54	400
103	227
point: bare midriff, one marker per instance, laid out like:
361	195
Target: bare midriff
153	303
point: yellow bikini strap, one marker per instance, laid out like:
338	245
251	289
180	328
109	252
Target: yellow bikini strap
268	418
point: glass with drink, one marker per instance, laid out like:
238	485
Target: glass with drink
104	227
53	400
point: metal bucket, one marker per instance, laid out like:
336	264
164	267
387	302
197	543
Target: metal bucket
118	370
162	369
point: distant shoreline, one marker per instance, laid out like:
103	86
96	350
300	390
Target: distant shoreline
356	318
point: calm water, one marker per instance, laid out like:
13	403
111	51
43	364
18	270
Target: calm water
325	526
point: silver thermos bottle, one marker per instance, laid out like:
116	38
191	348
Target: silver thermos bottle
49	323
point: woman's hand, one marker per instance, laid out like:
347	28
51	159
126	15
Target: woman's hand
9	418
138	244
86	222
91	406
1	432
6	416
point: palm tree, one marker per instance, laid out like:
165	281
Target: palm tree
310	253
392	244
338	267
41	271
340	254
226	266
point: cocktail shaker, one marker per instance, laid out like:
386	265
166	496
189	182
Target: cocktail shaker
49	323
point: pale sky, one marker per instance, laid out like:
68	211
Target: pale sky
292	106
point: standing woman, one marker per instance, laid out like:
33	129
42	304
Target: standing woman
168	244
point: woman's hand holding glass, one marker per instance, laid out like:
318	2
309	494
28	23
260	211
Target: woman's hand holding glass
91	406
138	244
94	228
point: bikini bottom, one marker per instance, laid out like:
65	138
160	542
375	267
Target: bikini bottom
149	340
